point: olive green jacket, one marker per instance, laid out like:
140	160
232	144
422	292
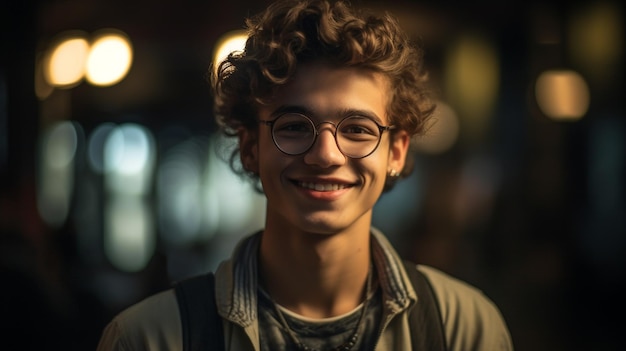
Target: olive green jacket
471	321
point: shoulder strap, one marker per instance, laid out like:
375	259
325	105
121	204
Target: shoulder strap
424	318
201	324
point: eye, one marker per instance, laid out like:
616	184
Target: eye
292	125
356	129
359	128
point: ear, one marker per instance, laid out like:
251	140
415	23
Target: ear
397	152
249	149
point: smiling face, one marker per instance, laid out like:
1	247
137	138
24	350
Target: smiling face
322	191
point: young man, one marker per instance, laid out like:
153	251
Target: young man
324	102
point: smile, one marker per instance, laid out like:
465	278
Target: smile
323	187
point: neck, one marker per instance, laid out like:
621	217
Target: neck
315	275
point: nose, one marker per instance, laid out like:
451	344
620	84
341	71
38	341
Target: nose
325	152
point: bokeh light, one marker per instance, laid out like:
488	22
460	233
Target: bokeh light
110	59
596	38
179	192
472	81
56	175
232	205
562	94
129	159
64	66
234	41
129	233
96	145
129	238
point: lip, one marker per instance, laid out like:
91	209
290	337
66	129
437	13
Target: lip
322	189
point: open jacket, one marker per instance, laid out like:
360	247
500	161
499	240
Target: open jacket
471	321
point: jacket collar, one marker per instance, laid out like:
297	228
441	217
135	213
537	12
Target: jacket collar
237	279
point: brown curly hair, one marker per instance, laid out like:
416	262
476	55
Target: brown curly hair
293	32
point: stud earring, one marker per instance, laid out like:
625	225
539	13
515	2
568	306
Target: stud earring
393	173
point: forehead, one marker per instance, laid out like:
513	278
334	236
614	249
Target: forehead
327	91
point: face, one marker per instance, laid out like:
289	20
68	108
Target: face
322	191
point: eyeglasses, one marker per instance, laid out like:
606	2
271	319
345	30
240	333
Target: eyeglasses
356	136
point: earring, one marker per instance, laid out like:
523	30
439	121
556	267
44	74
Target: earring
393	173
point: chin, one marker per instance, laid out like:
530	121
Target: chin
323	225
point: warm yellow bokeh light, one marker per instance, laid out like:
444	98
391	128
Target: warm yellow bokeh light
472	82
65	65
228	43
562	94
596	38
109	60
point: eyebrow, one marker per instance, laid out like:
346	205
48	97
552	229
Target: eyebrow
311	114
281	110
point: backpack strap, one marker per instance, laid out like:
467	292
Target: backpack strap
424	317
201	324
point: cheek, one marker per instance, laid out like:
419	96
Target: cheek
379	160
374	167
272	161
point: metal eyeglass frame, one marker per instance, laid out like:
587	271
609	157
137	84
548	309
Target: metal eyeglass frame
317	132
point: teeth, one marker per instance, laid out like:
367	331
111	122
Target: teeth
322	187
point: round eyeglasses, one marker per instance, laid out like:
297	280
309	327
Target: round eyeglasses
356	136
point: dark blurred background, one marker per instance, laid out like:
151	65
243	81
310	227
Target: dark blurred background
110	193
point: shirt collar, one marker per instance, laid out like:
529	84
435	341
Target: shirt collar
240	305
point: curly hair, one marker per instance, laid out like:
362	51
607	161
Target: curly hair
293	32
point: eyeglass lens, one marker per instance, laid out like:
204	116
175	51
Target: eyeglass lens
356	136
